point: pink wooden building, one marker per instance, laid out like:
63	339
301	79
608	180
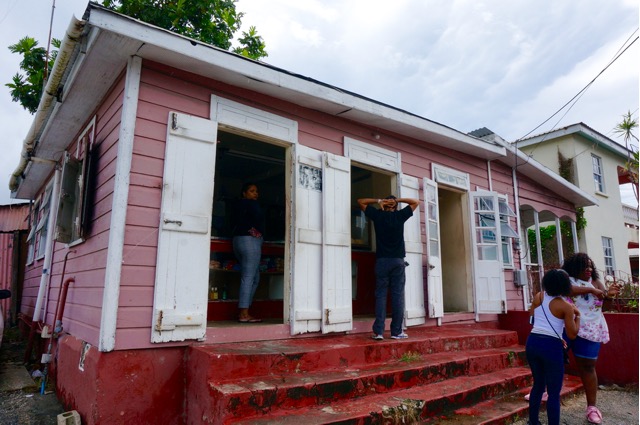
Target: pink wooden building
142	141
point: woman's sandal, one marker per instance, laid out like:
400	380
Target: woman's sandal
593	415
249	320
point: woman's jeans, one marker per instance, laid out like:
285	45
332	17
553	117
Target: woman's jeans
390	277
545	357
248	251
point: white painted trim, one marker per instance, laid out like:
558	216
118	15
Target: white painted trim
442	175
372	155
559	241
45	278
252	120
119	206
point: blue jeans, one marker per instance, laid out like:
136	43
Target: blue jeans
248	251
390	277
544	354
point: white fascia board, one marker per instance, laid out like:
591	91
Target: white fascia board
582	130
184	53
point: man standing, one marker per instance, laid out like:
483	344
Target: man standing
389	225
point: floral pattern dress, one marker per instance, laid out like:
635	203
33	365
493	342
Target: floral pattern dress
593	325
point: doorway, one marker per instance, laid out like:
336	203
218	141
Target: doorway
241	159
457	286
365	183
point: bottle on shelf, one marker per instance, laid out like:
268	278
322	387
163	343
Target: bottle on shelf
224	291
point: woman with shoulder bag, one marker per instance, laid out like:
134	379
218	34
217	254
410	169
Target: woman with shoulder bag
545	348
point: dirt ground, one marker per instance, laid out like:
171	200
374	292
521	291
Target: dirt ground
26	406
619	406
23	406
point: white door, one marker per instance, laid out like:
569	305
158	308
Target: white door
490	292
306	275
182	266
432	220
336	244
414	286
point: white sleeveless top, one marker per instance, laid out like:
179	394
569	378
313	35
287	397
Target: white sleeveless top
552	327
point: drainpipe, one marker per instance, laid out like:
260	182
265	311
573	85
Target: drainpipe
47	101
48	250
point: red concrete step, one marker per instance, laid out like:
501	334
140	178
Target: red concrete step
259	358
251	396
504	410
410	405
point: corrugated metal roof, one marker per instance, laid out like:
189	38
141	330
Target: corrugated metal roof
14	217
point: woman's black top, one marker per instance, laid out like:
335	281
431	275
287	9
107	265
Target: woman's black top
247	214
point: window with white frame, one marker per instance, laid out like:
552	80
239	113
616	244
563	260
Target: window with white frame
43	221
507	233
31	238
607	248
598	175
70	221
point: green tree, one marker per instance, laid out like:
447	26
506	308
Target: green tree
26	87
211	21
625	129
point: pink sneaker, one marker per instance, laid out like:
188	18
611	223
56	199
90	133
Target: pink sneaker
545	396
593	415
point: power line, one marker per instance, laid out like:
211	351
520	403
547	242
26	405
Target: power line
579	94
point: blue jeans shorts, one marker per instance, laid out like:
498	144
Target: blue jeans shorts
583	347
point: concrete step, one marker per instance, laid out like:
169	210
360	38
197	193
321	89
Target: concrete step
251	396
410	405
273	380
505	409
221	362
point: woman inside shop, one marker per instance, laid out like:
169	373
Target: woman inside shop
247	245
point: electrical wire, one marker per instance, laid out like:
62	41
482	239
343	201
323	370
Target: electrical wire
575	98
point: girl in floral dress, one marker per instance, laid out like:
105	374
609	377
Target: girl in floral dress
588	294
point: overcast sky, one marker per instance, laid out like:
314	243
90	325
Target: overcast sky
503	64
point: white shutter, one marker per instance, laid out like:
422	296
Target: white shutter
434	249
67	201
490	293
182	268
414	286
336	244
306	295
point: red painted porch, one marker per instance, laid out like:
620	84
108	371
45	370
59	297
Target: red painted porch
468	371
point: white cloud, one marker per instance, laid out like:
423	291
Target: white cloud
501	64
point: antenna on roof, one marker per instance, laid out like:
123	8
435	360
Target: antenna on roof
46	57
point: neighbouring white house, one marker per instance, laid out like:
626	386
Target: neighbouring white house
597	165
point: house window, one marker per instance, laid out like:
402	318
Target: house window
598	176
70	221
31	238
507	234
43	221
607	248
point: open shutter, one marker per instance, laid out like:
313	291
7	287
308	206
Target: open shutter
306	295
336	244
490	293
182	268
68	193
432	221
414	286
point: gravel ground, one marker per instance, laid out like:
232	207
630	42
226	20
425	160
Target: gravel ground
25	406
619	406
